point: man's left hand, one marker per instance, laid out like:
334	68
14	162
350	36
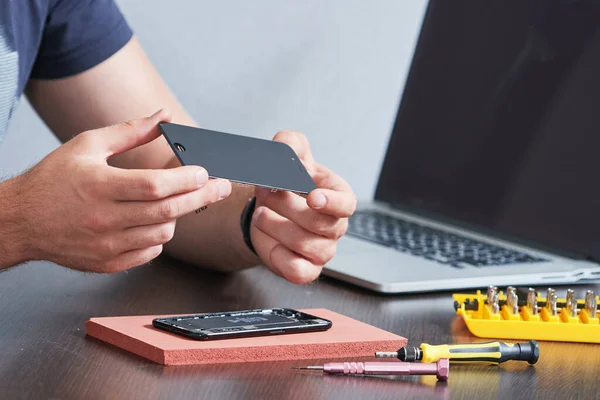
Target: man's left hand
296	236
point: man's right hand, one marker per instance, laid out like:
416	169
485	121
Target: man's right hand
80	212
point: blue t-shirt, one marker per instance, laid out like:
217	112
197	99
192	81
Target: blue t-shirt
50	39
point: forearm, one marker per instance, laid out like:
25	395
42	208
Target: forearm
13	249
213	238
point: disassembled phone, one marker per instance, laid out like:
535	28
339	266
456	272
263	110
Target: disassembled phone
240	159
238	324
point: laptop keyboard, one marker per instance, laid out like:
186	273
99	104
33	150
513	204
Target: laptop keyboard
433	244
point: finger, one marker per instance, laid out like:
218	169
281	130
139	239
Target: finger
282	261
119	138
334	196
132	259
145	184
330	202
298	142
294	208
315	248
138	237
292	267
325	178
136	213
264	245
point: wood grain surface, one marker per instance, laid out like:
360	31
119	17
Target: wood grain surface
46	354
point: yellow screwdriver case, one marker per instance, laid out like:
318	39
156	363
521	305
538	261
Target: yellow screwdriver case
524	325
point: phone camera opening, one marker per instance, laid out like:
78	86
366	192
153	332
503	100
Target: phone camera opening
179	147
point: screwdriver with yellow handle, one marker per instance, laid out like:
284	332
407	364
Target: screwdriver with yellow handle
489	352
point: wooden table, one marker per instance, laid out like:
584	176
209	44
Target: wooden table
45	353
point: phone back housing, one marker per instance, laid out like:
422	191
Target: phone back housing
240	159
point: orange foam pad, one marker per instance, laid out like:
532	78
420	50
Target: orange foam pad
346	338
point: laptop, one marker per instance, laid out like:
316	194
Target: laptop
492	171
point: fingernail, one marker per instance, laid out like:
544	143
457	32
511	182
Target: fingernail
319	200
257	213
164	114
224	189
202	177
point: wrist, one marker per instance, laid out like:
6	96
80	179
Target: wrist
242	200
246	222
13	239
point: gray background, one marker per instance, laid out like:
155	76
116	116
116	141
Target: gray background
333	70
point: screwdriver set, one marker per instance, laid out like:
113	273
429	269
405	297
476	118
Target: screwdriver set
528	315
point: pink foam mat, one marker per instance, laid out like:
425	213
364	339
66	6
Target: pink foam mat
345	339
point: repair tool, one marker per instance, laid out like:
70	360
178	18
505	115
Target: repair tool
551	301
512	300
532	301
490	352
591	304
523	314
472	304
571	308
439	368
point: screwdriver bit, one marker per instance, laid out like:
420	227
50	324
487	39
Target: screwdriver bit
551	301
512	300
522	300
590	303
532	301
495	304
571	307
490	293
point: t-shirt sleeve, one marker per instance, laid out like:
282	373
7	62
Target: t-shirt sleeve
78	35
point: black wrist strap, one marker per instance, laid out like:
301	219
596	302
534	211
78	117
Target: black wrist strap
246	220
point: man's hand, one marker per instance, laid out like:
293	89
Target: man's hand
84	214
131	86
295	236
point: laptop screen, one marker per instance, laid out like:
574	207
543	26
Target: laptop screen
499	123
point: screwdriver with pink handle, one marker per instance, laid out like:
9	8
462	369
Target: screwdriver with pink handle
440	368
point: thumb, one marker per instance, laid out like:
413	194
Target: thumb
131	134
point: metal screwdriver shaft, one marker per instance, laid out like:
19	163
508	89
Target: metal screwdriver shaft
386	354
